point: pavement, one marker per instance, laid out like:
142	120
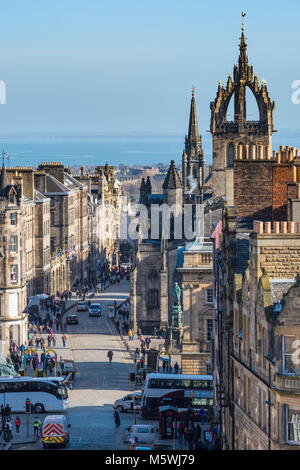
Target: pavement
156	343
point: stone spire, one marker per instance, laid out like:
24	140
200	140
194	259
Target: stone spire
148	186
4	181
172	180
193	133
193	159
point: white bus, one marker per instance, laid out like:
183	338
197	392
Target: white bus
45	395
183	391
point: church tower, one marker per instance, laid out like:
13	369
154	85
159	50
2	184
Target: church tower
230	138
193	160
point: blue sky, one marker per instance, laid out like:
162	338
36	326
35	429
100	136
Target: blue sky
129	65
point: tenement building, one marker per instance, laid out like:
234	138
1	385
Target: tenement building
16	258
51	226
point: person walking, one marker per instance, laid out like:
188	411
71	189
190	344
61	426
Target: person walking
180	432
130	334
64	339
147	341
17	424
202	415
110	355
36	426
176	367
135	356
7	411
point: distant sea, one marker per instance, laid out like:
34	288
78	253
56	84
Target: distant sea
91	150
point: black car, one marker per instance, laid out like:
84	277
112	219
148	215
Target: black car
72	319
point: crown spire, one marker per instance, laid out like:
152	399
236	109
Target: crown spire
193	133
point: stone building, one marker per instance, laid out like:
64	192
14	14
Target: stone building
257	383
68	223
16	252
106	191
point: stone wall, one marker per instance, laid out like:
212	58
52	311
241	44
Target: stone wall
253	196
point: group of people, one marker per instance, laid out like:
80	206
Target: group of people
193	436
6	424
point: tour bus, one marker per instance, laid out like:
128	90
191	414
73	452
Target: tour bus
183	391
45	395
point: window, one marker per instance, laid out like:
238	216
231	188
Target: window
209	330
14	273
209	296
293	424
152	298
13	218
230	155
287	353
13	244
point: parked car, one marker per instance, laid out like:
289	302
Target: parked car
141	434
82	306
72	319
95	310
55	431
129	402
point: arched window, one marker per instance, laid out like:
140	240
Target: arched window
230	155
153	290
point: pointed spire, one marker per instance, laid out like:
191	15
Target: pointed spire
243	59
148	186
193	133
143	184
172	180
4	181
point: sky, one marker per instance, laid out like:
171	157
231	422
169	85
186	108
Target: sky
128	66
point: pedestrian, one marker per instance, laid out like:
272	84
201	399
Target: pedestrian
180	432
130	334
176	367
64	340
202	415
17	424
61	364
148	341
155	331
36	425
54	340
135	356
7	411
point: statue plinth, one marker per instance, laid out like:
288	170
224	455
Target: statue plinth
175	331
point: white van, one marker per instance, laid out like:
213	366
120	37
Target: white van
129	402
55	431
141	434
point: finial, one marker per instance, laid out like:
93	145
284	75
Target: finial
3	156
193	92
243	23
